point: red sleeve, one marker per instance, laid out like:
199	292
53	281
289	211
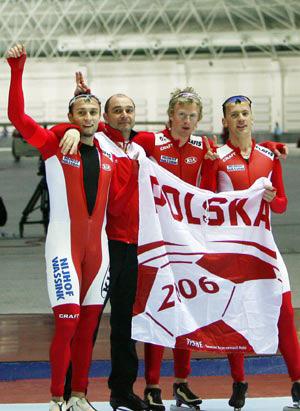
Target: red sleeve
209	172
123	184
273	145
41	138
146	140
60	129
101	126
279	204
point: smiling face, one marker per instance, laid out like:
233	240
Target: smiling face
184	119
120	114
238	119
85	114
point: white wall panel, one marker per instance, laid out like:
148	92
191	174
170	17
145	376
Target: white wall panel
271	84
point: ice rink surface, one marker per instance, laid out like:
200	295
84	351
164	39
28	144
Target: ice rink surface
252	404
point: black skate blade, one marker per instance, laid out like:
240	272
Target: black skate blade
174	407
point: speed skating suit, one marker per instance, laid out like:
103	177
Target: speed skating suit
76	246
232	172
186	163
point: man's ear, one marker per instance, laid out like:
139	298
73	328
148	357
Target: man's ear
70	117
224	122
105	117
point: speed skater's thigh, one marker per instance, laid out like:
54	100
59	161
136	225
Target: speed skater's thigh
95	274
63	268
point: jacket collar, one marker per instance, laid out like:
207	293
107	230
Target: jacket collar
116	135
167	133
237	149
95	143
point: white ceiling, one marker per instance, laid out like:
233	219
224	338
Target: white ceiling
151	29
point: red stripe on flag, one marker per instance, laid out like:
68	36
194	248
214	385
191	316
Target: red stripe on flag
146	278
156	244
158	323
260	247
177	262
215	337
237	267
169	253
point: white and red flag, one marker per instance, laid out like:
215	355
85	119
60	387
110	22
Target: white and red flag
210	274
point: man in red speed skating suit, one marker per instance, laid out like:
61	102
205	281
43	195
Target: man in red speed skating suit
116	136
76	246
242	161
182	153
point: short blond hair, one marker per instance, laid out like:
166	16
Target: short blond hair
187	95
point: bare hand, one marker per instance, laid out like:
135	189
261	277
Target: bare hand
269	194
16	51
81	86
69	142
282	154
210	155
215	140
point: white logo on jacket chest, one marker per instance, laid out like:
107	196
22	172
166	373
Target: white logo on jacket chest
196	141
70	161
106	167
265	151
166	147
236	167
107	154
169	160
161	139
228	157
190	160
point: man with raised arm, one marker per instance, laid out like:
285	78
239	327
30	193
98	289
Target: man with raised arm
117	135
76	244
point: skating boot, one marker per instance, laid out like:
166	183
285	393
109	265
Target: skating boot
152	397
184	396
295	396
57	406
79	404
238	397
129	400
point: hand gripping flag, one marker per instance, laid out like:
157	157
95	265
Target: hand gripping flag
210	274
